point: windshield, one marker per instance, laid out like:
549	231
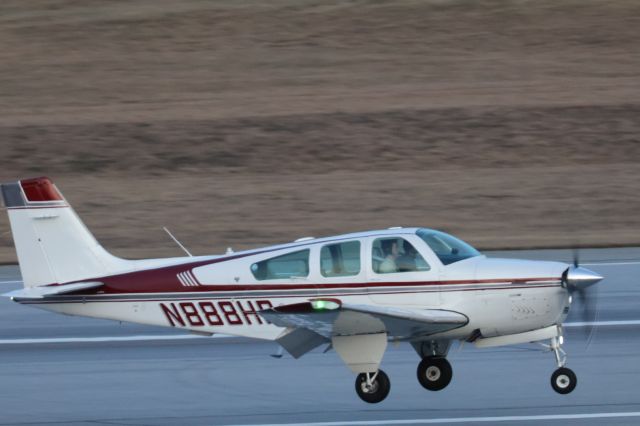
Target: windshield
448	248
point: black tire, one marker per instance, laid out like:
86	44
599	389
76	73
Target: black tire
563	380
434	373
379	391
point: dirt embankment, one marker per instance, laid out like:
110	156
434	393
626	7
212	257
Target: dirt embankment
511	124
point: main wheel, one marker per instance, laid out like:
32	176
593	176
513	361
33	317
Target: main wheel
377	391
563	380
434	373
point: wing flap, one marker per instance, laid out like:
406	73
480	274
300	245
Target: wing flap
299	341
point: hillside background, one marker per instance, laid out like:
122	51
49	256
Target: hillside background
243	123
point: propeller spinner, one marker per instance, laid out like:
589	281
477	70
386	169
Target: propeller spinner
579	278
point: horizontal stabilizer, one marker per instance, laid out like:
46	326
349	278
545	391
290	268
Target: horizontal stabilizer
52	290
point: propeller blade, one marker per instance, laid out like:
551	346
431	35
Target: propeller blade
592	312
580	283
586	301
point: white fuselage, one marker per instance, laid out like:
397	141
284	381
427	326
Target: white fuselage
499	296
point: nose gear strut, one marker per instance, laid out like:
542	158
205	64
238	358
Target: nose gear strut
563	379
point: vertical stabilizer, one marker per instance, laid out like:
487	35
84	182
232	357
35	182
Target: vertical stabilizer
52	243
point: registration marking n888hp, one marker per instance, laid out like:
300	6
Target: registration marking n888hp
214	313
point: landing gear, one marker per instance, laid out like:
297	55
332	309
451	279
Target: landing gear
373	387
434	373
563	380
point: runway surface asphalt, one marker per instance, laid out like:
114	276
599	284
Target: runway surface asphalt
132	378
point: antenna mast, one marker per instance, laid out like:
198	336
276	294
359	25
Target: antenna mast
177	242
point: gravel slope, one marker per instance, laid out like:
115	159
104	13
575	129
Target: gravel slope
509	123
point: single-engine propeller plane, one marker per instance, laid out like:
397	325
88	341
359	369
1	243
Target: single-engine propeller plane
354	292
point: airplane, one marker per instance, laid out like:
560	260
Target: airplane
354	293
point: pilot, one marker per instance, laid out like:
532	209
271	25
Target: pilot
407	261
390	252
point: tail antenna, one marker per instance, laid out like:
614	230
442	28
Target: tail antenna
176	241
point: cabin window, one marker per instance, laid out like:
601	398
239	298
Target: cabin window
391	255
340	260
290	265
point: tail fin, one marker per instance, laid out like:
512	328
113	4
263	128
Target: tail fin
52	243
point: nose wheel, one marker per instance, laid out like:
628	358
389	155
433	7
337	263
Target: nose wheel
373	387
434	373
563	380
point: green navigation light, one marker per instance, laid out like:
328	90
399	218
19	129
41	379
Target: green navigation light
321	305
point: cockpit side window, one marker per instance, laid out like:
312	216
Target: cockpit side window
389	255
448	248
290	265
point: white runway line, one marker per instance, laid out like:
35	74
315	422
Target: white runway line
160	337
460	420
107	339
10	282
601	323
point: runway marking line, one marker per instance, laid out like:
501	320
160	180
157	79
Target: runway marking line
160	337
601	323
493	419
610	264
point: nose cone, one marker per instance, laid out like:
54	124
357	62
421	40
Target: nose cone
579	277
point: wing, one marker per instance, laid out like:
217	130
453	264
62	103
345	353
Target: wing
319	320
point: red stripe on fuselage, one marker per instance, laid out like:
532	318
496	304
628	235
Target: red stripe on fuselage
81	298
170	284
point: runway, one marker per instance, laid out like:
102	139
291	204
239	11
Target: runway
65	370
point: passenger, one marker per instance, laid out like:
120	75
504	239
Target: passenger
390	252
407	261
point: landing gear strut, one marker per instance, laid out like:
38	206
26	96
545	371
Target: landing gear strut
563	380
434	373
373	387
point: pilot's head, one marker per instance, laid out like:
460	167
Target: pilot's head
389	247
